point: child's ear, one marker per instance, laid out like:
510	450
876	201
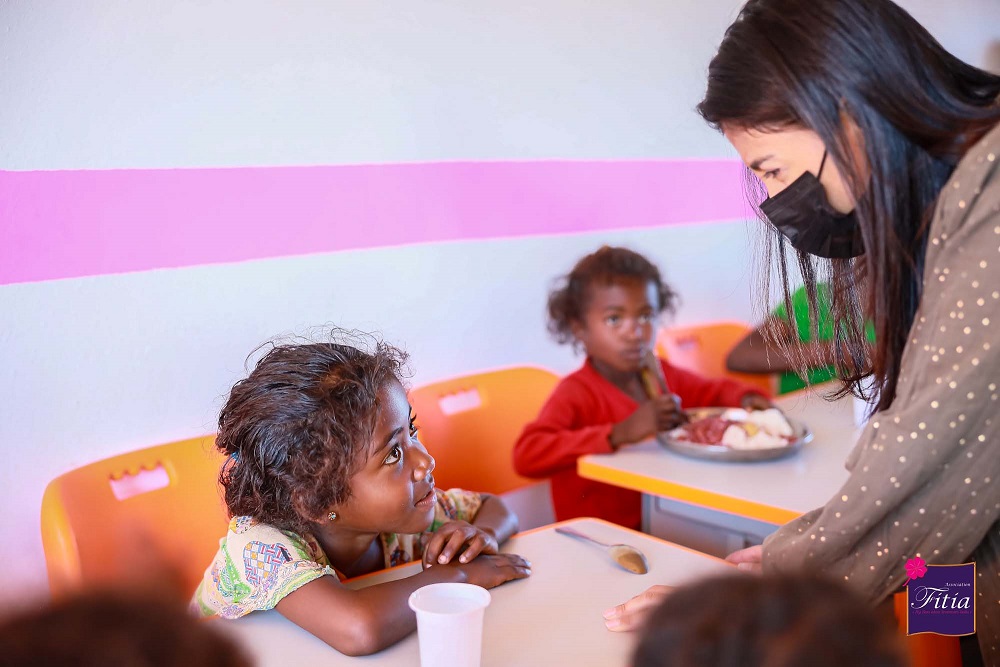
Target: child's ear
577	329
307	511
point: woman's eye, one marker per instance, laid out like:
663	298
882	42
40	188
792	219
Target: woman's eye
771	174
413	426
395	454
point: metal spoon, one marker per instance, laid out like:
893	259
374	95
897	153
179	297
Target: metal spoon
626	556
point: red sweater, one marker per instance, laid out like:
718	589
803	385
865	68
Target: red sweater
577	420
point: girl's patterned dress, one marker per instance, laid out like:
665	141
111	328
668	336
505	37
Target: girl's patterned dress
258	564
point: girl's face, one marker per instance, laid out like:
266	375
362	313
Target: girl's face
393	491
619	324
778	157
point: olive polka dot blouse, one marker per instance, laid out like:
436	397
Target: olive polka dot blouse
925	474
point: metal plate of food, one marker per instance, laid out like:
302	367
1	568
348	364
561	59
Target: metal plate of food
713	425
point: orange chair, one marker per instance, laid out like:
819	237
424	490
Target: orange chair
926	650
155	506
470	425
703	348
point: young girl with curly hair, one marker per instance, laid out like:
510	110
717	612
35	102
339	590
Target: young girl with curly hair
609	305
325	479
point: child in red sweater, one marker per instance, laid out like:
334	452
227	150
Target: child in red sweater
609	304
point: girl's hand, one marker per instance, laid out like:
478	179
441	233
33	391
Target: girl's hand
756	402
491	570
668	412
748	560
630	615
657	414
449	539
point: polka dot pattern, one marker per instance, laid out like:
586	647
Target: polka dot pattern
922	471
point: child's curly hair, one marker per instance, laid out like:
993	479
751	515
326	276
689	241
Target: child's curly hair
299	426
735	620
607	266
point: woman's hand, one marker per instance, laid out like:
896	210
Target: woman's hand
754	401
748	560
491	570
449	539
630	615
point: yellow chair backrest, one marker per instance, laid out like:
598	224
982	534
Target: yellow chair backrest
703	348
104	520
470	424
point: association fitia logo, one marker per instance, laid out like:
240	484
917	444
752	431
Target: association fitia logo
940	599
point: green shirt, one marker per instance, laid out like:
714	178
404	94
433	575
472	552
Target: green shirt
792	381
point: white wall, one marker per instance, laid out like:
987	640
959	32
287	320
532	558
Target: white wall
112	83
108	83
119	361
94	366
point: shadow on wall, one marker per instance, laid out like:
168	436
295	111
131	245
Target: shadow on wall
992	60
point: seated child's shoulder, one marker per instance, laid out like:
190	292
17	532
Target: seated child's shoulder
259	542
257	565
456	505
579	382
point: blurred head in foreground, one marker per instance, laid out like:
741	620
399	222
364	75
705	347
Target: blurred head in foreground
772	621
113	629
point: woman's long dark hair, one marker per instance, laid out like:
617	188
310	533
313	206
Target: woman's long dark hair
832	66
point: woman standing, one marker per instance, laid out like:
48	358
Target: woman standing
880	154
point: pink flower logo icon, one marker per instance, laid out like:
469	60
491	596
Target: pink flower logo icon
915	568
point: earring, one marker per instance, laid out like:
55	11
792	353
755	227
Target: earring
332	516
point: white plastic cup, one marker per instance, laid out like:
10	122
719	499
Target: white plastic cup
450	624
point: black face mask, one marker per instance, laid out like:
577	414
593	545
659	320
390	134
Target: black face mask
803	214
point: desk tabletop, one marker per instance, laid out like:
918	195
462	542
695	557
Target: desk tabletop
770	491
551	618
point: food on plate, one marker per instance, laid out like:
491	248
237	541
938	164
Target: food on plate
738	429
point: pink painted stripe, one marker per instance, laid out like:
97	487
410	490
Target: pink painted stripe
66	224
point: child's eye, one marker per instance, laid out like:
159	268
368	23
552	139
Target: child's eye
646	318
613	320
413	426
395	454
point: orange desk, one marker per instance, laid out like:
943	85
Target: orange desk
552	618
745	500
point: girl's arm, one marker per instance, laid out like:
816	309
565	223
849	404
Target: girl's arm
364	621
496	518
756	354
696	391
555	440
